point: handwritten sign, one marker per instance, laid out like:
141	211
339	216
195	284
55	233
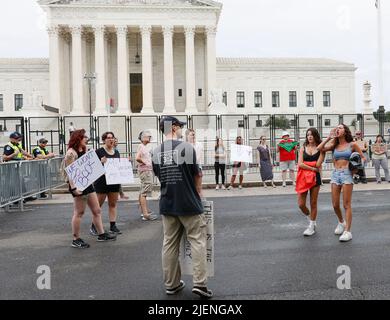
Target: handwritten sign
85	170
185	246
119	171
240	153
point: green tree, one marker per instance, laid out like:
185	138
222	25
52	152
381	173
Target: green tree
281	122
381	115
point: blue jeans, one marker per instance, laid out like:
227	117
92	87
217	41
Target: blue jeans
341	177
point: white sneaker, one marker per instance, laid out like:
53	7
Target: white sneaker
340	229
347	236
311	230
230	188
223	187
284	184
240	187
217	187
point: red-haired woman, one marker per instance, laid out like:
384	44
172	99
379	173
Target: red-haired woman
77	147
340	143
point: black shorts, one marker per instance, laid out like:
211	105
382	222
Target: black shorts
318	179
86	192
104	188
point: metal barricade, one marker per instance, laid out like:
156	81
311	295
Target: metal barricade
20	180
10	186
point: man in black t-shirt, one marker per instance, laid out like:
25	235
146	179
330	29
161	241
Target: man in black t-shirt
174	163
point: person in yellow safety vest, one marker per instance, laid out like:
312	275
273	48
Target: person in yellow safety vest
40	152
13	150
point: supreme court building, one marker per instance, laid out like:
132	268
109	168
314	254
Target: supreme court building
159	57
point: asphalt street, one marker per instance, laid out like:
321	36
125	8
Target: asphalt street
260	253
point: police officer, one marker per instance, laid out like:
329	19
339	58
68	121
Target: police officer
13	150
40	152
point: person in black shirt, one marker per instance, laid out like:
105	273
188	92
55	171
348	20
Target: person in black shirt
77	147
174	163
111	192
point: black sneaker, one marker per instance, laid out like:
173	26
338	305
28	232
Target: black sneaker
80	244
203	292
173	291
106	237
93	231
115	230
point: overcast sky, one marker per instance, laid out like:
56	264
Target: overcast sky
339	29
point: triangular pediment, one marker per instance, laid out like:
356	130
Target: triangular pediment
185	3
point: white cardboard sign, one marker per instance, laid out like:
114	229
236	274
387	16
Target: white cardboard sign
85	170
185	246
240	153
119	171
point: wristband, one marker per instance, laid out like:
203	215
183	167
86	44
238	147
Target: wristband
74	189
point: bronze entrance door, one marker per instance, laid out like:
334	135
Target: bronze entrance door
136	92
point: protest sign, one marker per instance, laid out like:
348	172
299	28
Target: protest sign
185	246
240	153
85	170
119	171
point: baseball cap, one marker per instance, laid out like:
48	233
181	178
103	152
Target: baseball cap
144	134
168	121
43	140
15	135
285	133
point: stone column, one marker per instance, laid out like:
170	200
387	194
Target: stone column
123	71
100	70
54	67
168	71
147	70
190	70
211	60
77	71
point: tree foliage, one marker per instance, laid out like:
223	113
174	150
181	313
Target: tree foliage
281	122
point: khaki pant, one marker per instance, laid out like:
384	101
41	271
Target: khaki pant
195	228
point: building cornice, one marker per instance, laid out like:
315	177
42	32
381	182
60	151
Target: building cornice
283	64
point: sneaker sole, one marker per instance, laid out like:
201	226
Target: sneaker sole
78	247
208	295
114	233
176	291
106	240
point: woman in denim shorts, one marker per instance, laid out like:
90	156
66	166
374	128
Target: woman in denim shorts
340	142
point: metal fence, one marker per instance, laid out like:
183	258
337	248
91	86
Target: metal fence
208	127
20	180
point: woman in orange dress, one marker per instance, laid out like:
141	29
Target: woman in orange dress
309	178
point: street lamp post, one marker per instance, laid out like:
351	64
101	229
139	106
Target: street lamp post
91	78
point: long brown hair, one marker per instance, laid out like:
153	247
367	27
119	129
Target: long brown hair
75	140
216	143
316	136
348	136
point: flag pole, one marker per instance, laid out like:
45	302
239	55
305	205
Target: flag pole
380	54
